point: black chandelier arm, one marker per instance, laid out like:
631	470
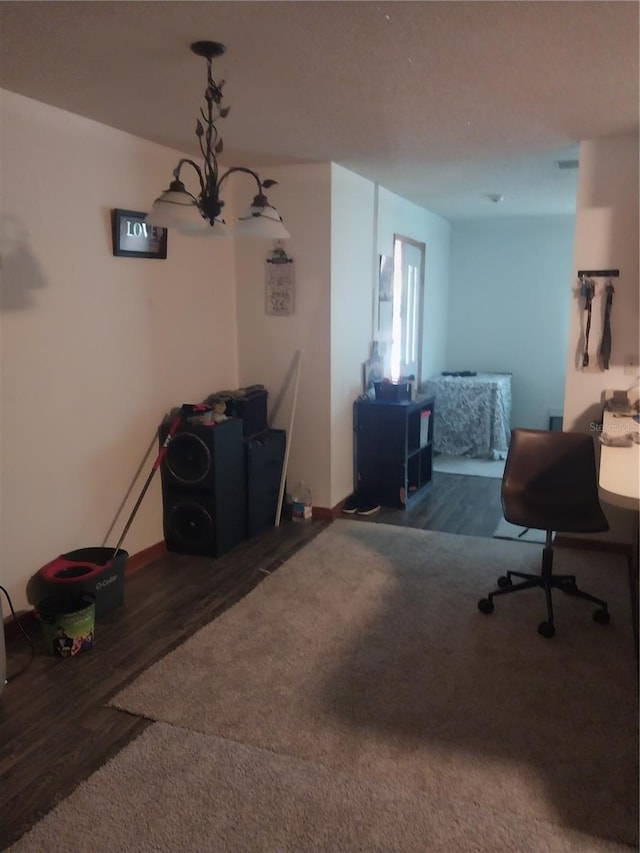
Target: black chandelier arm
195	167
210	137
248	171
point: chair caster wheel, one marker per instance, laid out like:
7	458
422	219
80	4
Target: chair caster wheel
504	581
546	629
485	605
601	616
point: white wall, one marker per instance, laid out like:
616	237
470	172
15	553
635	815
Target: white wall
509	307
267	345
331	215
94	349
328	211
606	237
352	279
399	216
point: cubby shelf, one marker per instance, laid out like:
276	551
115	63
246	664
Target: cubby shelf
393	449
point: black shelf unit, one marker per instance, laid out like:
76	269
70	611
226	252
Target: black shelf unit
393	450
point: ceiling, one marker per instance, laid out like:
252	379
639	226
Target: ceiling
444	102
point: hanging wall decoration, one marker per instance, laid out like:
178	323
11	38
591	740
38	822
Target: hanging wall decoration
132	237
279	284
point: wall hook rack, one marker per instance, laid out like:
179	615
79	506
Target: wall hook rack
598	273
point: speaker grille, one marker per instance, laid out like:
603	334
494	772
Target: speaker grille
188	458
191	526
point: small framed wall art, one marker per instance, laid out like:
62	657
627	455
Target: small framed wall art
133	238
279	284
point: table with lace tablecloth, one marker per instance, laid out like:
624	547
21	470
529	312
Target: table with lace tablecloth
472	414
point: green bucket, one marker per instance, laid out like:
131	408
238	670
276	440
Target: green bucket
68	622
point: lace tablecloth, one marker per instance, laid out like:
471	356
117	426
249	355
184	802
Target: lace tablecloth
472	414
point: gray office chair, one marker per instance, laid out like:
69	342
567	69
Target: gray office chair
550	483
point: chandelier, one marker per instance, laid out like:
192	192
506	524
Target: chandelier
202	214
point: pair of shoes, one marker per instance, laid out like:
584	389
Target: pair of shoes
361	506
350	505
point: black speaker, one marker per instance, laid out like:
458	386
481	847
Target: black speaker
203	487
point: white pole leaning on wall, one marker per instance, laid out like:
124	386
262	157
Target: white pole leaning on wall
283	478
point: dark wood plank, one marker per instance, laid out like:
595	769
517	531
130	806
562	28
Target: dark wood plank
459	504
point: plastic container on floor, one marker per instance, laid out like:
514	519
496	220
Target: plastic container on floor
68	622
301	504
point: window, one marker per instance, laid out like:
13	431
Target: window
398	322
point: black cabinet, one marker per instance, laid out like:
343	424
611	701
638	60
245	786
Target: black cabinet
393	450
264	458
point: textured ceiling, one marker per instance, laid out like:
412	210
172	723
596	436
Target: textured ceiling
442	102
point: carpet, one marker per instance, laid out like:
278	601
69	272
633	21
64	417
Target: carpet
365	655
505	530
468	466
356	700
177	790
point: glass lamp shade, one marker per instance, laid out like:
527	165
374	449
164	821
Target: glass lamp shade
174	209
263	222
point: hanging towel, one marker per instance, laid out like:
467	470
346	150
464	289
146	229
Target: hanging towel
587	289
605	344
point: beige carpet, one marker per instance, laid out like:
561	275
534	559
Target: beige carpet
357	700
366	653
179	791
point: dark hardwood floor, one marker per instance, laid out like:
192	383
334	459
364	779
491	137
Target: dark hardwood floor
468	506
54	727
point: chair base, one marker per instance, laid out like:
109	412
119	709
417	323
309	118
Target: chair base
547	581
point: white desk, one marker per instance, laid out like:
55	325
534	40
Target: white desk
619	481
619	478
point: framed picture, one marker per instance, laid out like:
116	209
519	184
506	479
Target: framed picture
383	307
133	238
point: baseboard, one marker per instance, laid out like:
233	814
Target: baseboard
28	618
144	557
323	512
336	512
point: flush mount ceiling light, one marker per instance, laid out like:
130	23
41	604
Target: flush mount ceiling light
202	214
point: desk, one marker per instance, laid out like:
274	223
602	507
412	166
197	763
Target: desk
619	477
619	481
472	414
